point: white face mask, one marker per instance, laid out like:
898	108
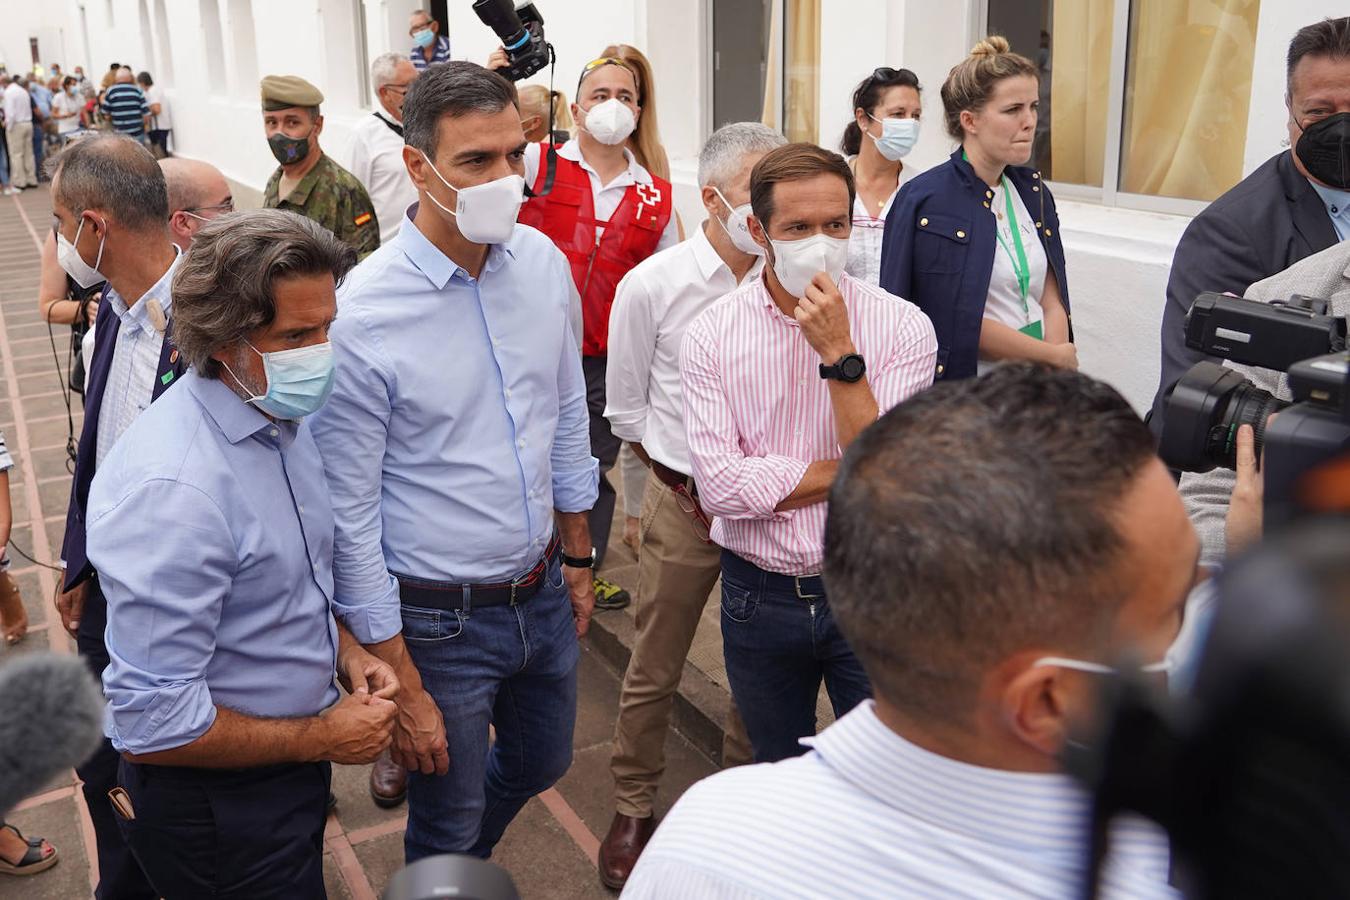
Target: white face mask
485	213
898	137
797	262
737	227
610	122
69	258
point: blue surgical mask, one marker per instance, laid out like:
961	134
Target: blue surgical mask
424	38
898	137
298	381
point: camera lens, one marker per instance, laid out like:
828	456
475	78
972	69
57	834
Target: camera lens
1204	411
1247	405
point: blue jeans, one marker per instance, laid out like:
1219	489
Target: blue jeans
778	646
516	669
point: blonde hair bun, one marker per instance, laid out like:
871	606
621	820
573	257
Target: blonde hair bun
993	45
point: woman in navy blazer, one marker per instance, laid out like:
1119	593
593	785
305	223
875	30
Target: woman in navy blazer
975	242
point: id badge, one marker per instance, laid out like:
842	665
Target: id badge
1034	330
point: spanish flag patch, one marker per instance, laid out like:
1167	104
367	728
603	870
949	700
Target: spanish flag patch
362	219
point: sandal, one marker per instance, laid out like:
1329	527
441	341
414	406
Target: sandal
36	860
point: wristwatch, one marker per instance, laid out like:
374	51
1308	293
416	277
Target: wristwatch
850	369
579	562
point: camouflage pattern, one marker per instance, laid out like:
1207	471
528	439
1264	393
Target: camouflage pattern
331	196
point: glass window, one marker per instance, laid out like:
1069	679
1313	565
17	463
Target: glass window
1070	42
794	70
1185	76
1188	85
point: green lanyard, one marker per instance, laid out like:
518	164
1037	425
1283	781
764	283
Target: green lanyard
1019	261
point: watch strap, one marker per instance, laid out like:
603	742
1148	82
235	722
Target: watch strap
578	562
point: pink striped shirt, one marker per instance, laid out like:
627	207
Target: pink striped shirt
758	413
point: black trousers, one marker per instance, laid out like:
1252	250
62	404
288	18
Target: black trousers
604	447
119	874
229	834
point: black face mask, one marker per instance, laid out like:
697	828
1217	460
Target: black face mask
1324	150
289	150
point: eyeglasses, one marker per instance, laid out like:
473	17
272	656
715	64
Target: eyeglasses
400	89
226	207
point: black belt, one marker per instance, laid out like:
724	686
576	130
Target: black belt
443	595
672	478
806	587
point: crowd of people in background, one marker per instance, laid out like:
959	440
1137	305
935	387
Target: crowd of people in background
850	374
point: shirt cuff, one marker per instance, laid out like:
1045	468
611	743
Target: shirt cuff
628	426
374	621
162	718
576	491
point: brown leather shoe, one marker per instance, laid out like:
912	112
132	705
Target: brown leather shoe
620	849
388	782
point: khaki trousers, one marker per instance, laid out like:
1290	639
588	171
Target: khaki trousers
676	573
19	137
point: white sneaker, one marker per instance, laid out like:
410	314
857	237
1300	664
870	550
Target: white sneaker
11	191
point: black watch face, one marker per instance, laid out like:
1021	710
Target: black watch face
852	367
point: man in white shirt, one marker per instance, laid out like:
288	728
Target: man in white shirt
161	118
677	564
18	109
993	547
377	146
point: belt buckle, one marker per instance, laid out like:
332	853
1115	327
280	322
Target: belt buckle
797	585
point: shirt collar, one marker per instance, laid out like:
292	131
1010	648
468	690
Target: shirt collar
709	261
637	173
1337	201
1025	809
138	316
236	418
431	262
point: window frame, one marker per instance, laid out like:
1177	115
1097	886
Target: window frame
1109	194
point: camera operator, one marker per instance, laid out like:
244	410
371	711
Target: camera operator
1207	495
1296	204
991	545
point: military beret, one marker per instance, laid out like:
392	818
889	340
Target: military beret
285	91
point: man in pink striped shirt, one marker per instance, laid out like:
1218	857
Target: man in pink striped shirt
778	378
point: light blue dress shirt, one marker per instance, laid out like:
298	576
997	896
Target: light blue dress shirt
212	534
1338	207
457	423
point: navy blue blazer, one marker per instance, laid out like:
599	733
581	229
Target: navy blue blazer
170	369
938	252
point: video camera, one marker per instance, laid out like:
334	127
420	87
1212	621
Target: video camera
1207	406
521	30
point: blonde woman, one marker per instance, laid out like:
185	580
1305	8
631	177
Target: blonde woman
975	242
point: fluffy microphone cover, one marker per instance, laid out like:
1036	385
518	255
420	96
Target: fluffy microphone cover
51	719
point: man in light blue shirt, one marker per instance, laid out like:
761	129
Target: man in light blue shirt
211	531
458	457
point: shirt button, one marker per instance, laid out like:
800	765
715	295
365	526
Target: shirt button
508	393
923	222
960	234
520	443
274	432
302	507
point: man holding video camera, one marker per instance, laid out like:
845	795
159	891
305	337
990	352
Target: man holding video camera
1226	529
1294	205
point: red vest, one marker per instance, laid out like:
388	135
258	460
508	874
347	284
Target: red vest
601	253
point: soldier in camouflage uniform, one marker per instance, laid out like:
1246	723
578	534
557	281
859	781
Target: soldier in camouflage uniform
308	182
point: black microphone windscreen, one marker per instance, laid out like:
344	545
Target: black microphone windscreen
51	719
